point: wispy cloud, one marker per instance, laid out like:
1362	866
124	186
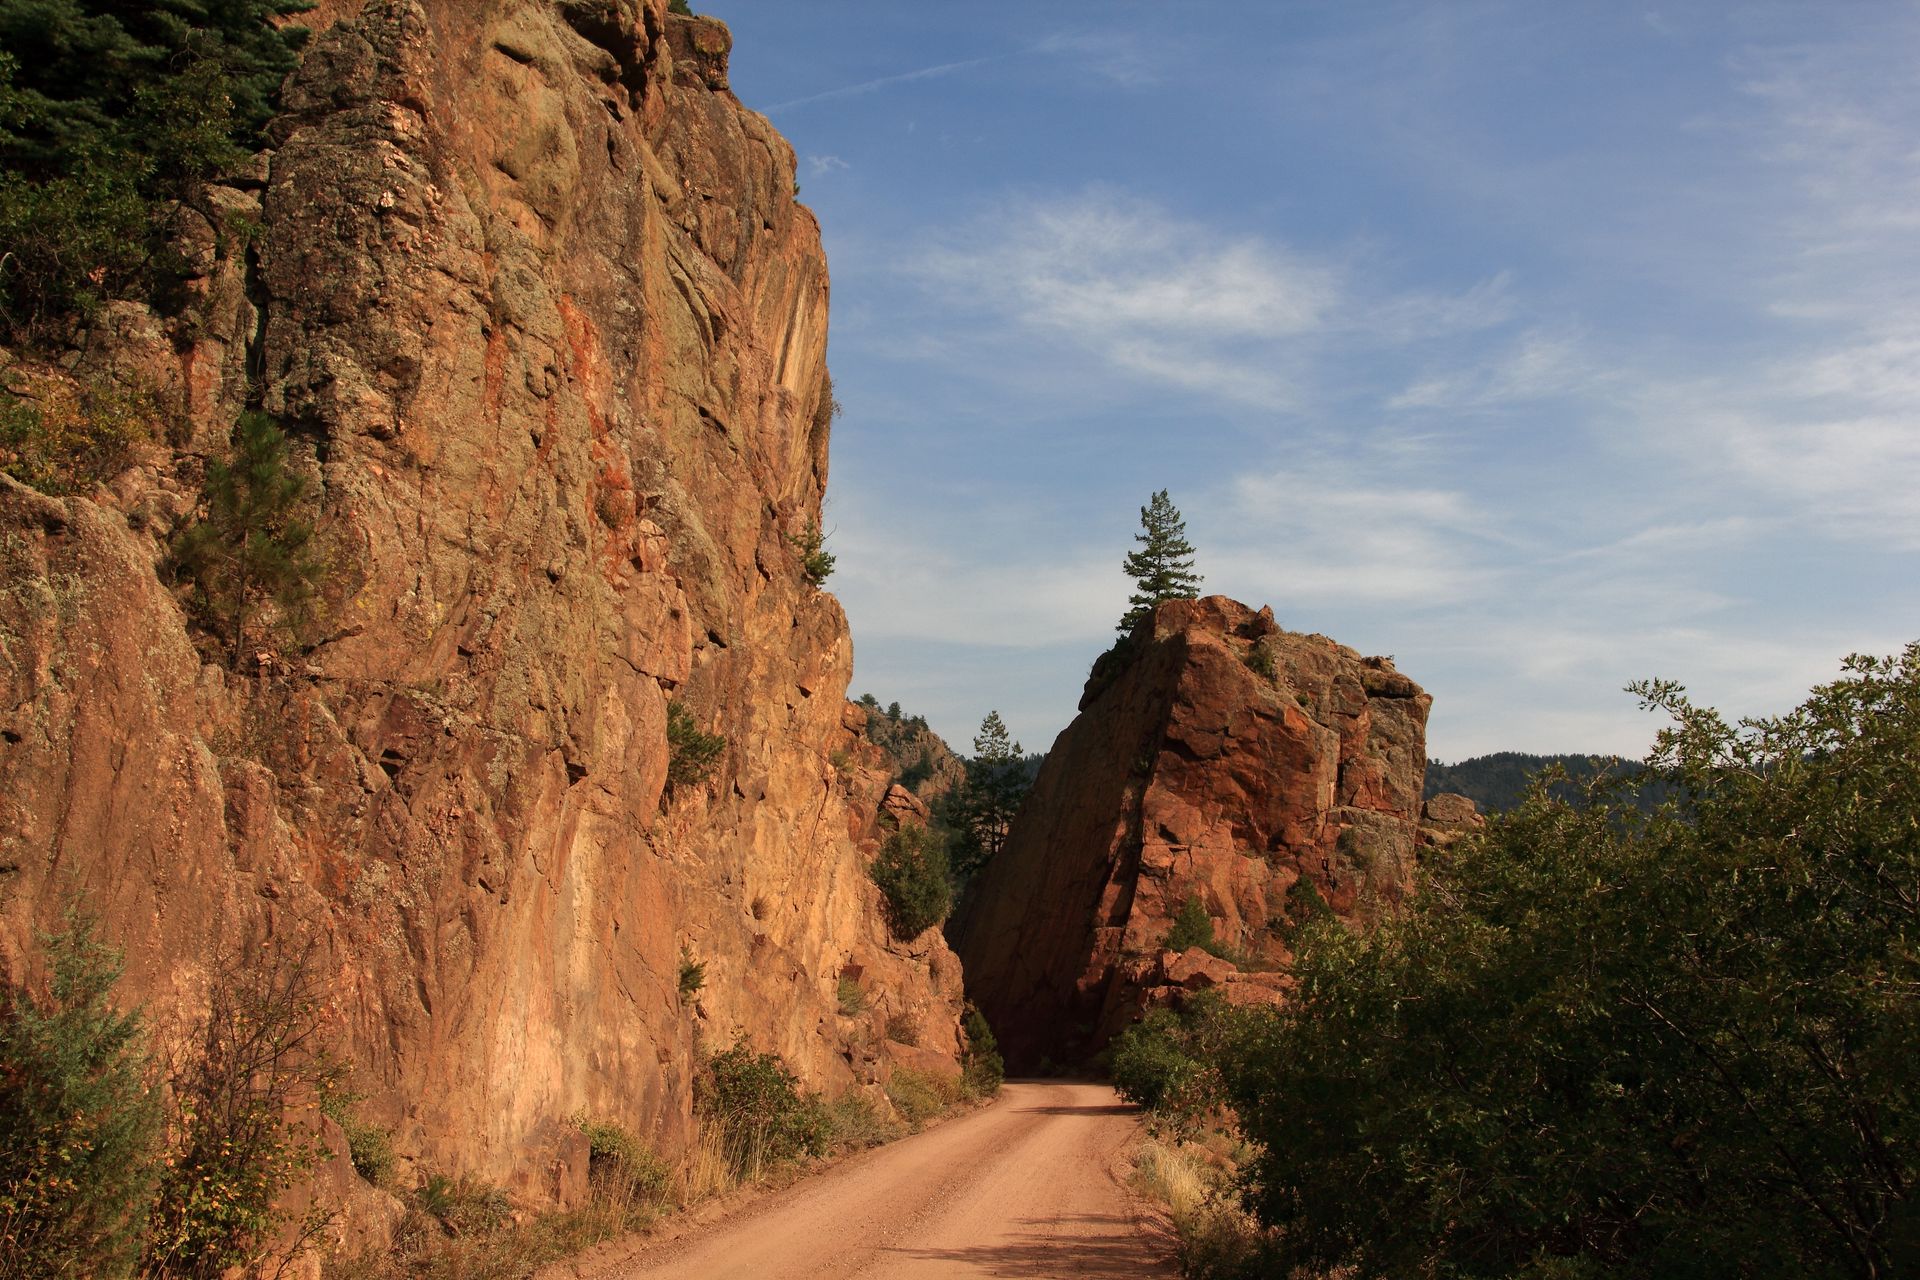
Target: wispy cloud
1330	532
1112	56
882	82
1107	263
821	166
1152	294
1413	316
1176	301
1534	367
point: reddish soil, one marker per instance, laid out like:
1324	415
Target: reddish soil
1030	1186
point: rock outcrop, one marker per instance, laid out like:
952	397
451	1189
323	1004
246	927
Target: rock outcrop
530	290
1269	774
1447	819
922	761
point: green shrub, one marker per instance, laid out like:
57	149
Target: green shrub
370	1148
1602	1042
827	408
1169	1061
1261	662
691	754
693	973
852	1000
680	7
70	436
235	1144
1192	927
903	1027
816	563
1150	1061
78	1127
855	1123
621	1164
919	1096
982	1069
762	1116
253	548
1304	905
911	870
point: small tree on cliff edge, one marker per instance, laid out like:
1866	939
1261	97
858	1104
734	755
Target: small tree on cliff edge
1162	567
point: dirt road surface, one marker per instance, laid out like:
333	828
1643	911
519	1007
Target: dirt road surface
1030	1186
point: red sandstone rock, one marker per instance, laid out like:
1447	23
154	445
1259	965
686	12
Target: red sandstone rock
534	291
1224	758
1195	970
1450	810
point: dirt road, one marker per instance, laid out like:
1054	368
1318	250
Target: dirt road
1028	1187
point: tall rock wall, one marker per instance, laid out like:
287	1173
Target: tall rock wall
1218	757
531	292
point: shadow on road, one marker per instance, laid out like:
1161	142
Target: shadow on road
1119	1109
1114	1250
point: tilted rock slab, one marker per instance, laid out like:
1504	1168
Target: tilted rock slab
1223	758
530	289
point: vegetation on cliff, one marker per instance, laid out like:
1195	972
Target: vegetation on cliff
1162	566
912	873
253	548
78	1126
62	436
110	114
1605	1042
981	810
922	761
114	1155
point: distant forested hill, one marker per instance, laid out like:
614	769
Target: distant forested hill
1499	781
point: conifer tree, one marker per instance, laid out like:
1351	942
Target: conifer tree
981	810
1162	567
78	1127
110	112
252	547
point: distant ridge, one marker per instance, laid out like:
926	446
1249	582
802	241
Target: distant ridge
1498	782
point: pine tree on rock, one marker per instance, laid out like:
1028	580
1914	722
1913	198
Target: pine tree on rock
981	810
1162	567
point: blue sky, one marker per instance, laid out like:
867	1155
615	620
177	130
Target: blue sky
1543	346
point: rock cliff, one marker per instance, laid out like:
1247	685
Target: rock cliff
530	290
1215	756
922	761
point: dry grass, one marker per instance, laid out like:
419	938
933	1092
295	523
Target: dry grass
459	1229
920	1096
424	1250
1218	1240
707	1170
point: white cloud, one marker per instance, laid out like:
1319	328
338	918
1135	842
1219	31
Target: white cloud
820	166
1164	299
1420	315
1112	57
909	588
1322	535
1535	367
1829	441
1110	265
